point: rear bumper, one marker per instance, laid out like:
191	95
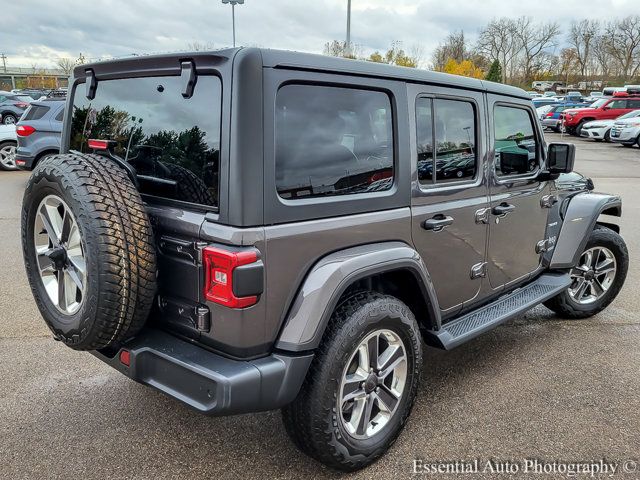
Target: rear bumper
551	122
207	382
24	162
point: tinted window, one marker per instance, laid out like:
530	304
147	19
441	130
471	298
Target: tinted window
35	112
617	104
172	142
332	141
633	103
60	115
515	141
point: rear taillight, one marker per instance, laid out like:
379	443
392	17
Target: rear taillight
550	114
219	268
24	130
98	144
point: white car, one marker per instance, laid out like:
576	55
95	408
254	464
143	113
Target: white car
601	129
626	129
542	111
8	143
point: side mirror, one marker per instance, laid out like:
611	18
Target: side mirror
514	161
560	157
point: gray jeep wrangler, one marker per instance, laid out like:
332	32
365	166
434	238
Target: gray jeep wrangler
247	230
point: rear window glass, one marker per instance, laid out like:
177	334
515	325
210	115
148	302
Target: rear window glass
35	112
172	142
332	141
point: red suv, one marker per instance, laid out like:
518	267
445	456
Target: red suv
603	109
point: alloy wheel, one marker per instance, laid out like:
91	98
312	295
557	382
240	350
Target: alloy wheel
372	384
593	276
60	256
8	157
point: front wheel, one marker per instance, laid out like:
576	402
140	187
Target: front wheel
362	383
596	279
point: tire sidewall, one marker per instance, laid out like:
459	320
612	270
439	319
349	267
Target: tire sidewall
604	237
71	329
380	314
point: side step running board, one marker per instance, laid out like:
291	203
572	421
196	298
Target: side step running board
460	330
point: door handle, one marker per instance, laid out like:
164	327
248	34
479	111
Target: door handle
437	223
503	209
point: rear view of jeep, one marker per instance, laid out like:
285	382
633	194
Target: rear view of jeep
248	230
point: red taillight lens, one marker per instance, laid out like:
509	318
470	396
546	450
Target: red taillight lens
219	265
24	130
98	144
550	114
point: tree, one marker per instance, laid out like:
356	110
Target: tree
454	47
499	41
196	46
624	44
533	41
396	56
66	65
465	68
337	48
582	36
495	72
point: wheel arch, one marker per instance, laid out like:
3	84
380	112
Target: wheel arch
40	155
580	217
392	268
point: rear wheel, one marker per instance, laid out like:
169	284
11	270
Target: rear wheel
88	250
8	156
362	383
596	279
9	119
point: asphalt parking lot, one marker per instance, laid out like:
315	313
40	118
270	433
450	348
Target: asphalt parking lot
535	388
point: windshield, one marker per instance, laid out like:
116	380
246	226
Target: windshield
633	114
599	103
172	142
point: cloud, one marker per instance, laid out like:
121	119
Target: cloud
38	31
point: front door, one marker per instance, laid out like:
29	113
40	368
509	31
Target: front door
519	202
449	189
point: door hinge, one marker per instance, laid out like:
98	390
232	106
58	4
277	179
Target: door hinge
548	201
542	246
479	270
482	215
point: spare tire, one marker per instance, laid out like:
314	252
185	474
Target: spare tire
190	187
88	250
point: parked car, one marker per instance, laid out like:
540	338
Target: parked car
8	144
12	106
39	132
549	94
542	111
297	258
600	130
610	91
541	102
603	109
627	130
553	118
534	94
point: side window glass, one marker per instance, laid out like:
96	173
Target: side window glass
633	104
455	141
516	148
60	115
424	138
618	104
332	141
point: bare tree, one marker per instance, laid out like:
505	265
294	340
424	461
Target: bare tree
499	41
197	46
337	48
601	55
454	48
582	36
624	44
66	65
534	40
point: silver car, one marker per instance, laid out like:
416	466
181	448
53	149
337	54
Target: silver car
8	144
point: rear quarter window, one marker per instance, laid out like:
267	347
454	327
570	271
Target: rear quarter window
35	112
332	141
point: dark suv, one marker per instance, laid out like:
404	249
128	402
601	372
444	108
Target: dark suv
250	229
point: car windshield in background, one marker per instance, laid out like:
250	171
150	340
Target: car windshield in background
172	142
599	103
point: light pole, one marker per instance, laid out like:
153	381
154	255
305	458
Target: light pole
233	15
348	49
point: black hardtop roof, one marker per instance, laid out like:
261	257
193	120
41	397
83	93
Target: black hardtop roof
310	61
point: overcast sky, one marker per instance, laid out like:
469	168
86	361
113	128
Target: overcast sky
35	32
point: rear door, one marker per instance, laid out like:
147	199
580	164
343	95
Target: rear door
449	190
519	201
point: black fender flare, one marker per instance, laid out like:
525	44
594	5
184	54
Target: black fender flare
580	217
330	278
